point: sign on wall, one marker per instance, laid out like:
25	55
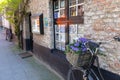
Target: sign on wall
46	22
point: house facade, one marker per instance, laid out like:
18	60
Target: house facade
4	22
1	21
51	24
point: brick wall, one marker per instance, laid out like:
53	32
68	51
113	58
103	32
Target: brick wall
102	23
38	7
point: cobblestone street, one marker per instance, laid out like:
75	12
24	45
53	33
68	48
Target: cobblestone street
13	67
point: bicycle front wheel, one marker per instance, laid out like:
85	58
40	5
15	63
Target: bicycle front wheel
92	75
75	74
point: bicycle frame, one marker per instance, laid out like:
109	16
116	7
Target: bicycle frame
94	57
88	71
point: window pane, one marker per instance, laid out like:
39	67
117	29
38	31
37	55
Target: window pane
80	10
62	3
72	2
62	28
58	45
56	28
56	36
63	46
62	37
56	4
73	29
72	32
73	11
62	13
80	1
56	14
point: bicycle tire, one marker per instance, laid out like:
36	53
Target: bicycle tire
9	38
75	74
92	76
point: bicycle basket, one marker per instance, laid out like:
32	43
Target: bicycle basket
79	59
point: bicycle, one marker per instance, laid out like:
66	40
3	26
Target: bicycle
8	34
85	72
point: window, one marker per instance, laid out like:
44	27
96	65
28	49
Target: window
59	12
80	11
62	4
76	7
65	11
60	37
59	9
56	4
73	32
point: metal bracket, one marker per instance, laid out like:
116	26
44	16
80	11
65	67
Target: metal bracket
117	38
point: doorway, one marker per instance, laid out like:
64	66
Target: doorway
31	34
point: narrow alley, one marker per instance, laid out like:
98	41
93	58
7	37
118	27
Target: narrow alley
13	67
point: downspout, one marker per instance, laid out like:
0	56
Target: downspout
53	25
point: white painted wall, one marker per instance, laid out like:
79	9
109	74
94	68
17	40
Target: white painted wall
5	22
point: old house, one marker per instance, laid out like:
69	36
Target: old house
51	24
4	22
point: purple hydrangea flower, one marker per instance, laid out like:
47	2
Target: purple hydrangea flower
76	44
74	48
83	40
79	45
84	49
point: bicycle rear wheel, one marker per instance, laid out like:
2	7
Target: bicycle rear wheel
9	37
75	74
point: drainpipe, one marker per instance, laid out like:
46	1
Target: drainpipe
53	25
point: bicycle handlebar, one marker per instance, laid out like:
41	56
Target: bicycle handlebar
93	46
